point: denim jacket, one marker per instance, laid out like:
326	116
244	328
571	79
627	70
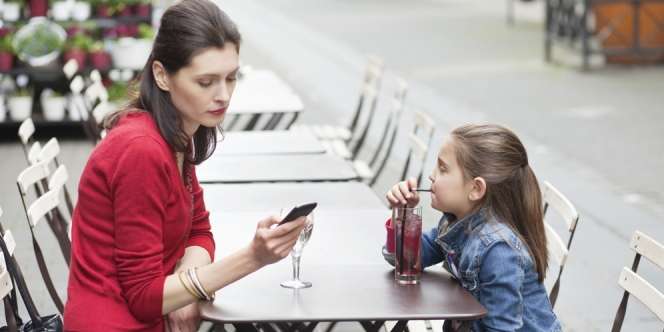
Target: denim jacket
492	263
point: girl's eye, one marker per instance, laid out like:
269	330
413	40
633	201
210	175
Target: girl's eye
231	78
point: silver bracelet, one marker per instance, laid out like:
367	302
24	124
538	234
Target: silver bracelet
193	275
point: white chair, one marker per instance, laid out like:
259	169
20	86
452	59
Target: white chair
25	132
57	221
637	286
369	171
70	68
13	270
558	250
420	143
366	103
49	154
45	205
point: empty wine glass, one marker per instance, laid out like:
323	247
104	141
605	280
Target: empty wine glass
296	253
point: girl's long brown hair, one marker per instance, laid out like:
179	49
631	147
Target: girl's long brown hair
496	154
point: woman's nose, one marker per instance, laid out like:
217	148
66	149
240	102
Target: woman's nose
223	94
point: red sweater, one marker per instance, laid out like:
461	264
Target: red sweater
134	218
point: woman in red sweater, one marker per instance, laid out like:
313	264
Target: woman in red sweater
142	250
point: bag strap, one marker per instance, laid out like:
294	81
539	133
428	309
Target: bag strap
19	281
46	276
10	314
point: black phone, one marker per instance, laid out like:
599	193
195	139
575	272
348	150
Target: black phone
299	211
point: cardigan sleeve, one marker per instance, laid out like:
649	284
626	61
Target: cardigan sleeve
140	189
200	227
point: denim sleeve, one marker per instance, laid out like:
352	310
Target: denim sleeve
501	276
430	250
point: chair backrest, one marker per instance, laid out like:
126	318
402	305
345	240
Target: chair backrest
49	154
635	285
390	131
367	101
33	153
70	68
26	130
419	143
553	199
32	175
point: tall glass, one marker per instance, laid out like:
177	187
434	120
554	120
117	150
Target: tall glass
296	253
407	223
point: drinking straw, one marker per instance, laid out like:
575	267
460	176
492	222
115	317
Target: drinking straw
403	234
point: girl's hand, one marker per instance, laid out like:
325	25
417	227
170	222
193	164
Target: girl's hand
273	243
185	319
403	194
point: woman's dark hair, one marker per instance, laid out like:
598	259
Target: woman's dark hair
513	195
186	29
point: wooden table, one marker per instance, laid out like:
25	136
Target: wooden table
351	281
275	168
271	197
268	142
262	92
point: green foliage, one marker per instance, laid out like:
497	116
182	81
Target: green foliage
145	31
79	41
40	42
6	43
117	91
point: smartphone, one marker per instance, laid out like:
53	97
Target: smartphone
299	211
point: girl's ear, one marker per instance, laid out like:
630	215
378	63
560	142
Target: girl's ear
478	190
160	75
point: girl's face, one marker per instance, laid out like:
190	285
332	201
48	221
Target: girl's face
202	90
450	191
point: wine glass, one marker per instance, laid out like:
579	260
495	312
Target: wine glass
296	253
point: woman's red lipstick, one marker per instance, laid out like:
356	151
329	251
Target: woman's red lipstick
219	111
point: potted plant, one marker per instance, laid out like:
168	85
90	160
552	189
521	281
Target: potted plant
38	7
117	94
11	10
76	48
6	52
122	8
145	31
103	8
20	104
81	10
61	10
53	105
143	8
99	58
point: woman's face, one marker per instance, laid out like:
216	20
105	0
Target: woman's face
202	90
449	189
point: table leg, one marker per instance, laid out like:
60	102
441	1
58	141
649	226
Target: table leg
370	326
465	326
400	326
245	327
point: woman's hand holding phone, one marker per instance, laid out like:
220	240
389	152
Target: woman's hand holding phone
272	244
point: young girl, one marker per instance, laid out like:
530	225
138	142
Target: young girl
491	236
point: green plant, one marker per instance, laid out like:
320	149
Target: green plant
96	46
22	92
117	91
145	31
39	41
6	43
79	41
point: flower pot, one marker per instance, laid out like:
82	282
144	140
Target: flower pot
81	11
6	61
619	18
103	11
100	60
20	107
125	11
54	108
61	11
143	10
38	7
76	54
131	53
11	11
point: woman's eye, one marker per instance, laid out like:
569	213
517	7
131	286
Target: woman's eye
231	78
205	84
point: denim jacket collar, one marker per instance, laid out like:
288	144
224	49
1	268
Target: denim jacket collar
453	234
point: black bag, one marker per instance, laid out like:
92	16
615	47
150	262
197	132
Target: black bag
37	323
